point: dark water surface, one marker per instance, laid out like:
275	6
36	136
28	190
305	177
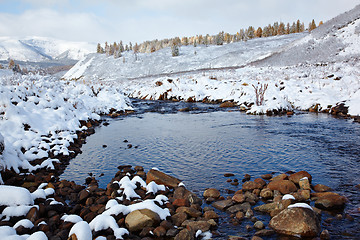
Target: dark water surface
200	146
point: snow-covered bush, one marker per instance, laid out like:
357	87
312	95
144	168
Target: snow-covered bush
41	114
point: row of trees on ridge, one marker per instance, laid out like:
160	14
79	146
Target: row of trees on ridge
276	29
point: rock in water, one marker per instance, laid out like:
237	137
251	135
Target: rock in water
138	219
162	178
211	192
284	186
296	222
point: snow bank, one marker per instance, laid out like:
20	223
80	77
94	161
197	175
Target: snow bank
15	196
81	230
40	114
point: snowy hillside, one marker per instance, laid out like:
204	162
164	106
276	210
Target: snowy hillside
38	49
336	40
99	66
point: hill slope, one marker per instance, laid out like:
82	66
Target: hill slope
100	66
336	40
40	49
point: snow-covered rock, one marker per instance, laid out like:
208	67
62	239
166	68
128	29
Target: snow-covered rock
42	114
15	196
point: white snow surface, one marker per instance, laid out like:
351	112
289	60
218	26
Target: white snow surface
37	49
41	114
300	205
71	218
26	223
288	196
81	230
15	196
301	70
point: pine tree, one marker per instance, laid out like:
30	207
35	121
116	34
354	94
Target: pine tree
281	29
250	33
99	49
175	49
312	25
298	26
259	32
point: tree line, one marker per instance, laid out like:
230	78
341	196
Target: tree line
276	29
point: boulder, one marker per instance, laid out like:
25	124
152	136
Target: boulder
191	212
284	186
328	200
321	188
304	184
211	215
266	193
161	179
212	193
270	207
138	219
295	177
296	221
227	104
250	185
239	198
184	235
178	218
267	176
282	176
239	207
260	181
223	204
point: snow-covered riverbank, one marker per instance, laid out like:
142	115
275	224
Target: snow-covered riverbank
40	114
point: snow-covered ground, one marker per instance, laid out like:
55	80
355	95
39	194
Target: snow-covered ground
41	114
300	70
38	49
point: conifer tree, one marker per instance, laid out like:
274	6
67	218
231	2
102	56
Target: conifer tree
250	33
136	50
312	25
259	32
175	49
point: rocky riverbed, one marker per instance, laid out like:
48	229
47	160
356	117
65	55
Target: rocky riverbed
154	205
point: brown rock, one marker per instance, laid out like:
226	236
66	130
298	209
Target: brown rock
184	235
160	231
239	215
260	181
33	214
162	178
239	207
178	218
238	198
304	184
229	175
250	185
282	176
325	235
211	192
296	222
227	104
266	193
321	188
266	176
83	195
191	212
181	203
211	215
259	225
299	175
138	219
223	204
284	186
328	200
194	226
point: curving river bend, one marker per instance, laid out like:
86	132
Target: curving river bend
200	146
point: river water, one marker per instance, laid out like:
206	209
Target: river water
199	146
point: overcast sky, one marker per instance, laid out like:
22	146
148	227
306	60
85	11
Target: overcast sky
140	20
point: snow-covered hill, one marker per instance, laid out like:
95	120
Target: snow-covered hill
100	66
336	40
40	49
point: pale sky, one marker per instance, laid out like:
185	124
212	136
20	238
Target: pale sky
140	20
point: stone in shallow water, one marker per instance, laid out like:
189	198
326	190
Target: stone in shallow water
212	193
223	204
161	178
297	221
329	200
284	186
138	219
296	177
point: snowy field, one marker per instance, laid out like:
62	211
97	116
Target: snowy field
41	114
300	70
